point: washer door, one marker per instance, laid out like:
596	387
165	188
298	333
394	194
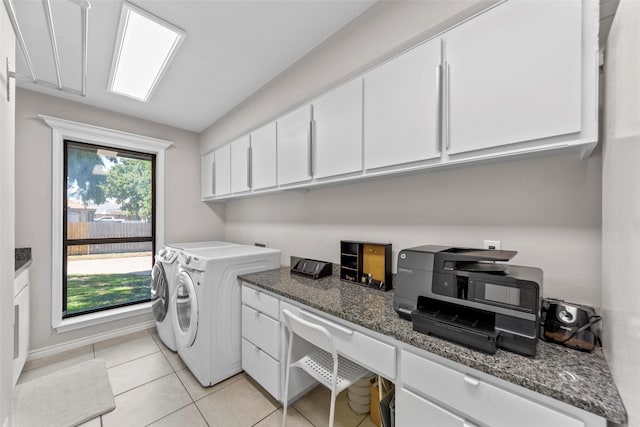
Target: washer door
159	292
186	310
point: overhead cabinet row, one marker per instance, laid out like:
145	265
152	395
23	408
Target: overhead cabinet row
492	86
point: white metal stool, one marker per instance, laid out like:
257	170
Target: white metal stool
325	365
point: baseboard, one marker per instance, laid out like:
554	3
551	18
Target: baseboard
80	342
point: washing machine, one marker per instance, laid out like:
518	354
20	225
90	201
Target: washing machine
207	307
163	283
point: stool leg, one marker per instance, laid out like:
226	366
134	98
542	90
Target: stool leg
332	411
285	403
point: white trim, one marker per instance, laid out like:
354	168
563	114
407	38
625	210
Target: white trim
100	317
80	132
81	342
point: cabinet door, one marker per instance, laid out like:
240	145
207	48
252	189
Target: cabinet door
206	175
222	171
294	146
414	410
21	332
508	80
401	108
240	179
337	138
263	157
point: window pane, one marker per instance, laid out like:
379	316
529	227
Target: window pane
109	193
107	275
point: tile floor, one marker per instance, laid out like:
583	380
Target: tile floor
152	387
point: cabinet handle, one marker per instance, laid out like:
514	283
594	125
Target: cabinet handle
471	381
327	322
310	139
213	177
447	98
10	75
249	162
439	108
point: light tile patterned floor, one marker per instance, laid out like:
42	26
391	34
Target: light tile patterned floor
152	387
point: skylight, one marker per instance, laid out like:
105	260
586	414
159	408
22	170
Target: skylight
144	48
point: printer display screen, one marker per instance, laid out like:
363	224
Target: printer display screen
502	294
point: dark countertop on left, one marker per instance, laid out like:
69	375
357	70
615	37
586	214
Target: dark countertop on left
23	259
579	379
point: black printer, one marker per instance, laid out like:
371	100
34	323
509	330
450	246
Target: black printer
468	296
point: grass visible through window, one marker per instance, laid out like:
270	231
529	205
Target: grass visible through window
88	292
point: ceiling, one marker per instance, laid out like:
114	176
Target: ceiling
232	48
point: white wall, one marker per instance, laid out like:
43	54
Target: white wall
186	218
621	205
547	208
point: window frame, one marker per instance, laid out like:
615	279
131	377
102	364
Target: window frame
62	129
68	143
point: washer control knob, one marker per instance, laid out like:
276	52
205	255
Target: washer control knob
188	259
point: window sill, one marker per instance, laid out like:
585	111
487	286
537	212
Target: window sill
101	317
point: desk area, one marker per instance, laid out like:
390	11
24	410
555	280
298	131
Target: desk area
576	384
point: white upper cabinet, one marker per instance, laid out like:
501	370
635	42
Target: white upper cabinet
264	157
401	108
337	138
222	171
240	158
514	74
206	176
294	146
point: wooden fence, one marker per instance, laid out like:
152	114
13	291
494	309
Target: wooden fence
94	230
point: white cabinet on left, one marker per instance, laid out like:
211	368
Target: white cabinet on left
240	164
20	323
222	171
215	173
207	168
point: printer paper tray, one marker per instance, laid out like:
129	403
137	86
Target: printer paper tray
483	340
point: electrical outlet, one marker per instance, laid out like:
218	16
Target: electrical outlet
491	244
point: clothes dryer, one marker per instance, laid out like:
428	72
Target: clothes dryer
163	284
207	307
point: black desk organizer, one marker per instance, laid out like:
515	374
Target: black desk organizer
366	264
312	268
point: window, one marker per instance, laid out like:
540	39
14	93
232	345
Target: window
125	145
109	237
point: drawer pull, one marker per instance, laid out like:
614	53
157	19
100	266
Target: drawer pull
472	381
326	322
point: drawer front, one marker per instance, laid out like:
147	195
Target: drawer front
261	330
479	400
262	368
260	301
369	352
413	410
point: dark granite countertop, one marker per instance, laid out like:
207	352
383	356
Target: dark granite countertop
23	260
579	379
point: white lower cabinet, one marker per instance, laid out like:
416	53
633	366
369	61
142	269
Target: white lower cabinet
413	410
262	368
261	339
472	399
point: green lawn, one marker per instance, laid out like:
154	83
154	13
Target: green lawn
88	292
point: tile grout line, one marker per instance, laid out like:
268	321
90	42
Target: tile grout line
165	416
148	382
136	358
